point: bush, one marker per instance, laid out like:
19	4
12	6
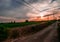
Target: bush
15	34
26	21
3	34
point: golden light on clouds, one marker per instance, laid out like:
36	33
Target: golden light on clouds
36	10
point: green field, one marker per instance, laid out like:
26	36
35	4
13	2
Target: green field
21	24
11	25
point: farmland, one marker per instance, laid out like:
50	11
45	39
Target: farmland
10	30
20	24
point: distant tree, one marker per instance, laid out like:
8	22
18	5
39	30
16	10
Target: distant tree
26	21
14	21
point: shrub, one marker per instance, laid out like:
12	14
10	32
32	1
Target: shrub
3	34
15	34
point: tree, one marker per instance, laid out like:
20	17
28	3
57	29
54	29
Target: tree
26	21
14	21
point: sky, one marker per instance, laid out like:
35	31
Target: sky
20	10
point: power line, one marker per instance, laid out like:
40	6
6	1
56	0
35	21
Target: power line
24	4
51	14
30	6
27	4
35	7
52	1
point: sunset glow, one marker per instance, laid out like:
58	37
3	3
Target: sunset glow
34	10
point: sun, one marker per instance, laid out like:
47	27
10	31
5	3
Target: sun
41	15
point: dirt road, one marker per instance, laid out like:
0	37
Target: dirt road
49	34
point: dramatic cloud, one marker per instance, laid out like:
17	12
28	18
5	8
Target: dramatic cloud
25	9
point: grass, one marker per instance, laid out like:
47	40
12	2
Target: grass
11	25
18	32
